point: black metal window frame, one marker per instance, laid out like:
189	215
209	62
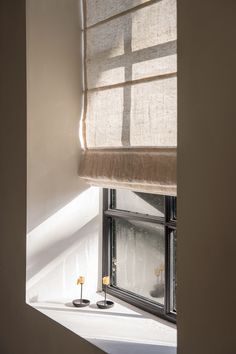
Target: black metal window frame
166	311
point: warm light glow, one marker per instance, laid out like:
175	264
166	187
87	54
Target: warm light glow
80	280
106	280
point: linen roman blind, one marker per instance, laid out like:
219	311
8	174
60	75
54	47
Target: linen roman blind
130	95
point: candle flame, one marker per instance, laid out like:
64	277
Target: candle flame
80	280
106	280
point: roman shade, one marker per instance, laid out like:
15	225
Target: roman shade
129	125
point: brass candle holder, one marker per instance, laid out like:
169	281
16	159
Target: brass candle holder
105	304
81	302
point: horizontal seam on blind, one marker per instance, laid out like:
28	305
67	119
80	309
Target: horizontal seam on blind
138	7
132	82
122	149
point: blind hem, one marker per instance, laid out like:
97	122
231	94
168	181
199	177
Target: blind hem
151	170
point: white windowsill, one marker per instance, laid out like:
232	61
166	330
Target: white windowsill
121	329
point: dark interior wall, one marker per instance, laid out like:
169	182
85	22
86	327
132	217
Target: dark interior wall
206	187
206	176
22	329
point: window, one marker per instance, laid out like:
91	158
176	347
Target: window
139	248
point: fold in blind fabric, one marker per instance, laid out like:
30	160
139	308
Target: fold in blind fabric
129	123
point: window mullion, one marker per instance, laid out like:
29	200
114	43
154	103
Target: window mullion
167	271
129	215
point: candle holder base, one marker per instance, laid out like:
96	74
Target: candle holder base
80	302
105	304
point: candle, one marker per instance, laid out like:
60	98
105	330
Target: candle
105	304
81	302
106	280
80	280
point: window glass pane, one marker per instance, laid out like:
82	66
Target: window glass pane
136	202
139	258
173	282
173	208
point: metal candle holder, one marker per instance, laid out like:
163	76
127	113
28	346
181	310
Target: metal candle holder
105	304
81	302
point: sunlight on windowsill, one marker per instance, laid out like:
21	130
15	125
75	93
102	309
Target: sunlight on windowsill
121	329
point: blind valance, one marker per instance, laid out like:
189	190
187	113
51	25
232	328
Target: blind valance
129	123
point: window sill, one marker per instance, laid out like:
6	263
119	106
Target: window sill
121	329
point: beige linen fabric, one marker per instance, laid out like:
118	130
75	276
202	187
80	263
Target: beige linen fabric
130	120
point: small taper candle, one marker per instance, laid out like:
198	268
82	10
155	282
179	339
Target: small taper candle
105	304
80	280
81	302
106	280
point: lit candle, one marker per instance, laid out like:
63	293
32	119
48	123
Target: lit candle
80	302
106	280
80	280
104	304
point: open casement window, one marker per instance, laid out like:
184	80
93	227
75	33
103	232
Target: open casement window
139	249
129	122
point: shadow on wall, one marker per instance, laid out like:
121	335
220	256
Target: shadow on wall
54	104
62	247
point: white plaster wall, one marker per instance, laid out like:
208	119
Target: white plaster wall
63	247
62	211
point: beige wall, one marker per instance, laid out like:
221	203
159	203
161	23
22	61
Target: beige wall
206	177
54	101
22	329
